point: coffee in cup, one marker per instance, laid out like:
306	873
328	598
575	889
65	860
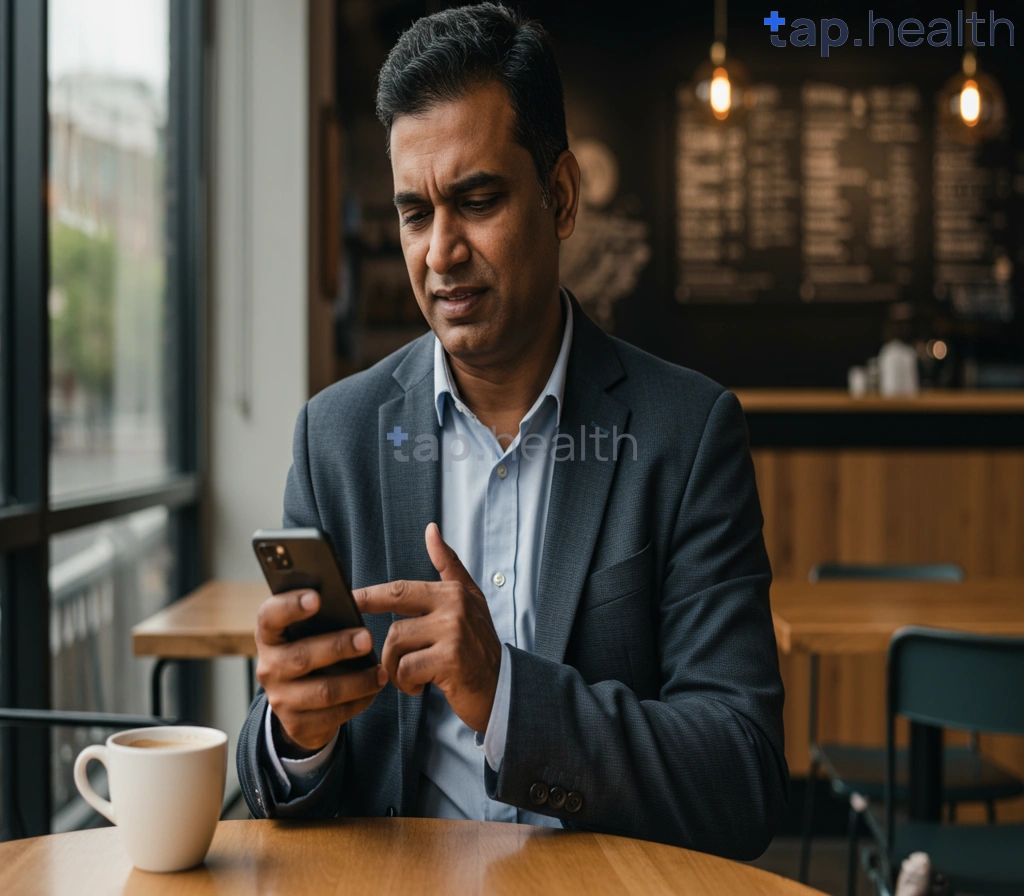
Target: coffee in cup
149	743
166	792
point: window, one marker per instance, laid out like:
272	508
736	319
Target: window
104	579
101	301
109	62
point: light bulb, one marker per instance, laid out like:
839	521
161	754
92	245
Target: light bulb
721	94
970	103
722	89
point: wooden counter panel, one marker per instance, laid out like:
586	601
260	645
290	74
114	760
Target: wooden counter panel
833	401
885	506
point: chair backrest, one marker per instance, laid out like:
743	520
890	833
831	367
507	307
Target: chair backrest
951	679
957	680
921	572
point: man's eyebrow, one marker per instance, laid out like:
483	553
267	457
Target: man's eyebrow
470	182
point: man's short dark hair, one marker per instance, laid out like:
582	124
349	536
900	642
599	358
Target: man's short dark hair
444	56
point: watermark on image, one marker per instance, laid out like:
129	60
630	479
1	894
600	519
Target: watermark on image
830	34
594	442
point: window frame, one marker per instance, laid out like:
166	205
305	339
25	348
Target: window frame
29	518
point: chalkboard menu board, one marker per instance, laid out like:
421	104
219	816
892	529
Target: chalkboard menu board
830	193
738	225
974	199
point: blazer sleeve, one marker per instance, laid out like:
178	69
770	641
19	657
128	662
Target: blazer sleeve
703	765
255	772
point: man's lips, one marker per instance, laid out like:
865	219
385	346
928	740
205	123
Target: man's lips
461	292
458	303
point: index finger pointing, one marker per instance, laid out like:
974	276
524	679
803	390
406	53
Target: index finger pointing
281	610
446	561
402	597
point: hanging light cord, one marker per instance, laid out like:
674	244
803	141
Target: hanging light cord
970	64
721	20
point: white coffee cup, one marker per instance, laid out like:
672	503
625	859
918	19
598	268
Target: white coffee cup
166	792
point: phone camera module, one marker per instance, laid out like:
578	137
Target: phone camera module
275	556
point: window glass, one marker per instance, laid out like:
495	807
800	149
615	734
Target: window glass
103	580
108	112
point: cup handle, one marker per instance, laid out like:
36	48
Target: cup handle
104	807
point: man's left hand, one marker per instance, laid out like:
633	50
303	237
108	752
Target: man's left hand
448	640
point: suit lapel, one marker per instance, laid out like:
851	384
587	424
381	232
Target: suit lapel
579	488
411	498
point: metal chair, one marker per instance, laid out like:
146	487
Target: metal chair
939	679
857	774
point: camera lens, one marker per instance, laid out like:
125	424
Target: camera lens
275	556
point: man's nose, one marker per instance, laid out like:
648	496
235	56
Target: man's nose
448	246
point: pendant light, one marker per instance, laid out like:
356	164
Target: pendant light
721	85
972	104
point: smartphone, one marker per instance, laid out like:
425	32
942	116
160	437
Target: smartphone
292	559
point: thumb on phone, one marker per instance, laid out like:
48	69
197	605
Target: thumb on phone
280	610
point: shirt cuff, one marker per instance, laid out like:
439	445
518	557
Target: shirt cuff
298	773
492	742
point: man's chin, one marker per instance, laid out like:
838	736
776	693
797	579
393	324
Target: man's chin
464	341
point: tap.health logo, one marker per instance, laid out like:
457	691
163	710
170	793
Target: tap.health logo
829	34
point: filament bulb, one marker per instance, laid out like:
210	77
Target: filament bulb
721	93
970	103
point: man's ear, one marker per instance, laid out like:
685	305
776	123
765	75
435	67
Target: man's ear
565	194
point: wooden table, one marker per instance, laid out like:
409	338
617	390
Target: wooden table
851	617
382	856
218	619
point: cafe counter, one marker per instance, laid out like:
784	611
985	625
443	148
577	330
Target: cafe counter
935	478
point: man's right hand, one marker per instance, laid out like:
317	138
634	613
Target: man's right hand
310	709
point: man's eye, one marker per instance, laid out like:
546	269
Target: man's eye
414	218
480	205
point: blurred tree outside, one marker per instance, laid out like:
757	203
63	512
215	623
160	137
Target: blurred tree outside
83	271
106	311
82	331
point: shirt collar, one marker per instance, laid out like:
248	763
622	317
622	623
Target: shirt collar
555	386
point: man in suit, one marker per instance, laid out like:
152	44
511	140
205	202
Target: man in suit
555	538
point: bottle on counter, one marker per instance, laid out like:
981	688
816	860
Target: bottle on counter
857	382
897	370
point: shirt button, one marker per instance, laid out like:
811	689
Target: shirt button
498	579
502	471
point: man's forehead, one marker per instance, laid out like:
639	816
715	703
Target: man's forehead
454	138
487	106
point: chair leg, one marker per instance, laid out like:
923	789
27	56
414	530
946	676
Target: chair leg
991	807
808	824
851	859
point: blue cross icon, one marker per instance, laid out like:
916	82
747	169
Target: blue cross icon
774	21
397	436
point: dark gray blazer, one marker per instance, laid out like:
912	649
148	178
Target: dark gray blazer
654	690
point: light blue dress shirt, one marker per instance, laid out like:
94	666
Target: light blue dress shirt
494	507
